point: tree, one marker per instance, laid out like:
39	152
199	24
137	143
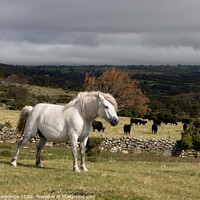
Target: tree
122	87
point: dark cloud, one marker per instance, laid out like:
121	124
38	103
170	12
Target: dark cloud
100	32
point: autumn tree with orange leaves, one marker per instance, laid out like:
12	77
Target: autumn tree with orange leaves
125	90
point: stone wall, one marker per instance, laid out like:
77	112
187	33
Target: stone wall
135	145
8	135
125	145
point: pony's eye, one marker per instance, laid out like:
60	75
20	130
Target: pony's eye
106	107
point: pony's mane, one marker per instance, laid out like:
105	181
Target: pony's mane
110	98
88	103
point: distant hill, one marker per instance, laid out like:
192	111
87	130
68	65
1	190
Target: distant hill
175	88
162	79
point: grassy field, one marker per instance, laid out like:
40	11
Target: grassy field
112	176
47	91
11	116
139	131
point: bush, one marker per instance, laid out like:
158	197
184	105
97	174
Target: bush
7	124
124	113
196	141
17	93
165	115
191	137
16	105
186	141
92	148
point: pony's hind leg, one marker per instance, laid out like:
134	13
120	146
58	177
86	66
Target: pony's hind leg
39	149
21	143
26	138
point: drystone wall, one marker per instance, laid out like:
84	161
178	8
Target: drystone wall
8	135
125	145
135	145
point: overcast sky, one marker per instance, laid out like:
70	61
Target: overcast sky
115	32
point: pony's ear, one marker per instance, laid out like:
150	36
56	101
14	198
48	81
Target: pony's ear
101	97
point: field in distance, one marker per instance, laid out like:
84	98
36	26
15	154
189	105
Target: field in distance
140	131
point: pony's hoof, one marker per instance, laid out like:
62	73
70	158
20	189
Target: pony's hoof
39	165
84	169
14	163
76	170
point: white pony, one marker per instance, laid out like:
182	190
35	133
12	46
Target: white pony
71	122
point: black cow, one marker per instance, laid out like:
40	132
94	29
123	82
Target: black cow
142	122
185	126
171	121
154	128
185	121
149	117
97	125
127	129
157	122
134	121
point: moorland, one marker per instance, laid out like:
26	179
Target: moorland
144	176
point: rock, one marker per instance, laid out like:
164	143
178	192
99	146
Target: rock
114	150
49	144
137	150
125	152
167	153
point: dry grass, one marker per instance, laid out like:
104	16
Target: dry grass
46	91
141	131
11	116
114	176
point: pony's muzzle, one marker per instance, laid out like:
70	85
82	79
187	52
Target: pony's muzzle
114	121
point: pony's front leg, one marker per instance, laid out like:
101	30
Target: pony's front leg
74	146
82	152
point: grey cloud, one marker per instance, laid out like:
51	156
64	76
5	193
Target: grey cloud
99	32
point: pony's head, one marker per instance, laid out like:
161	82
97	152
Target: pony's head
107	108
93	104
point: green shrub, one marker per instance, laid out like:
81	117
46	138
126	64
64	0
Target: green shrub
17	93
16	105
7	124
93	146
124	113
186	141
191	137
196	141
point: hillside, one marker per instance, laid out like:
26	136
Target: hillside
169	80
175	88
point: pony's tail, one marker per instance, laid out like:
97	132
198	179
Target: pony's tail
22	120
